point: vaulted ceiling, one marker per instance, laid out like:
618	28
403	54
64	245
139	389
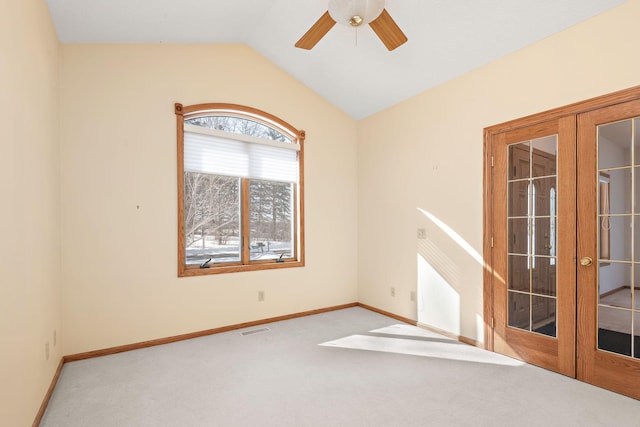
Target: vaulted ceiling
350	68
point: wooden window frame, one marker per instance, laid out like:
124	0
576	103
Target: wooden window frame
245	264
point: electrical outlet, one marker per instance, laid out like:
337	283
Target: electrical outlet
393	292
412	296
422	233
260	295
46	350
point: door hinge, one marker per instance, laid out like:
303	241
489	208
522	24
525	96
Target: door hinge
491	161
491	241
492	323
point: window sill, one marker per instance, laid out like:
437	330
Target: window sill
195	270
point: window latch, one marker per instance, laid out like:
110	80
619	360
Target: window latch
280	259
205	264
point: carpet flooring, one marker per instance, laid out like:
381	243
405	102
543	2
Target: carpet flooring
349	367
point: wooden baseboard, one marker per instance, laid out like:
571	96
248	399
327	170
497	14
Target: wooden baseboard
198	334
47	396
424	326
388	314
613	291
447	334
182	337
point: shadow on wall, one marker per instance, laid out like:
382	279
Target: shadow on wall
448	289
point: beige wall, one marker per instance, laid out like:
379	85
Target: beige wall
369	187
420	165
119	152
30	215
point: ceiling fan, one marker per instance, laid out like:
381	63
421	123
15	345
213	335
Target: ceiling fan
355	13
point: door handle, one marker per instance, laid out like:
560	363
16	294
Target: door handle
586	261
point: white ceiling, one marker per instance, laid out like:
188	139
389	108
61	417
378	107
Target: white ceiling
446	37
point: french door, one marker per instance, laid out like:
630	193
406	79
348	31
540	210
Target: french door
609	248
534	235
562	241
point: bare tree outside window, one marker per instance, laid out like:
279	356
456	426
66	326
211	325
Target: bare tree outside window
239	126
211	217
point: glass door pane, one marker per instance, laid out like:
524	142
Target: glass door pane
618	245
532	201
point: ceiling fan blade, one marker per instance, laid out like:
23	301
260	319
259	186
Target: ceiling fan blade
388	31
316	32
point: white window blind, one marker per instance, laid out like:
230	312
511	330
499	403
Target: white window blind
216	152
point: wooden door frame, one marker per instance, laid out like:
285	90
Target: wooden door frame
574	109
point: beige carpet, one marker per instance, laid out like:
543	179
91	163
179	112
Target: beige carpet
345	368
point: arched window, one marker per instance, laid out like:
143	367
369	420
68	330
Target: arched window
240	190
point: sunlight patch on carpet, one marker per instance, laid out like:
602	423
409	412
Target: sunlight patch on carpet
424	343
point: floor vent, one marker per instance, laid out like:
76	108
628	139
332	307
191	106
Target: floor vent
254	331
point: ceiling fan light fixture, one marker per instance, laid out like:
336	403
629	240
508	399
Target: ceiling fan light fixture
355	12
